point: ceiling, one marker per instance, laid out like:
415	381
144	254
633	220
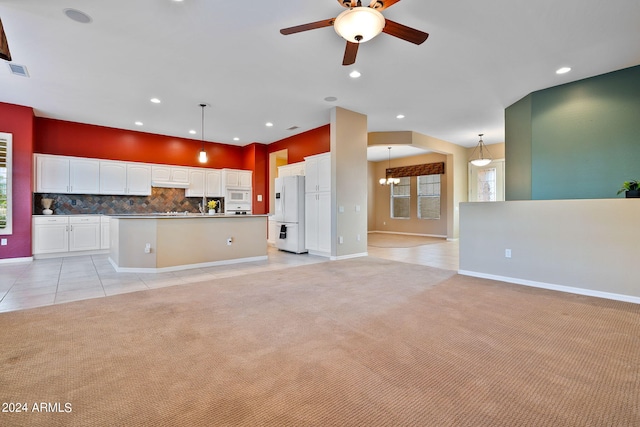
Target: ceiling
480	58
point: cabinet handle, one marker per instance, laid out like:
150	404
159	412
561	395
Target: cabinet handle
71	227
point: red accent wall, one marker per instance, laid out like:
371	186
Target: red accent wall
314	141
83	140
257	159
19	121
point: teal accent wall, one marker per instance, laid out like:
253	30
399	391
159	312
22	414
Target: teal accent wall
518	151
583	139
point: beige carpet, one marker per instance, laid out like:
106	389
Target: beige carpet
389	240
361	342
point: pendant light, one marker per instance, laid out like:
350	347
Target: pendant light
203	154
482	160
389	179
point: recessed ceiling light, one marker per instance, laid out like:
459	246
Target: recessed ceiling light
236	139
268	124
563	70
192	132
331	99
77	16
354	74
155	100
400	116
139	123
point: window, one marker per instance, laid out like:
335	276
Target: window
429	197
401	199
486	185
5	183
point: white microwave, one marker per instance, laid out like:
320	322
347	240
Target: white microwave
238	196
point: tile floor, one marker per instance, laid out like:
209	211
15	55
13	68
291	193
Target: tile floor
59	280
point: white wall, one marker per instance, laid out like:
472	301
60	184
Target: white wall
589	247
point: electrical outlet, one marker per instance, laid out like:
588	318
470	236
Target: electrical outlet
358	237
507	253
341	240
147	248
73	202
3	242
229	241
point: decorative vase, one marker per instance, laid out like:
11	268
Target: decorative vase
212	211
632	194
47	212
46	204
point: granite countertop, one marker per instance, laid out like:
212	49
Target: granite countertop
172	215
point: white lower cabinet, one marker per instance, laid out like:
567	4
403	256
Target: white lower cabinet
50	234
59	234
318	223
84	233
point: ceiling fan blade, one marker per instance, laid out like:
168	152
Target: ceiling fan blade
350	53
307	27
4	45
347	3
403	32
382	4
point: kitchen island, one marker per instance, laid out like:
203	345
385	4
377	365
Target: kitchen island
161	242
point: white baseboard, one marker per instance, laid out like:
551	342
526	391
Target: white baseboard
358	255
554	287
408	234
185	267
15	260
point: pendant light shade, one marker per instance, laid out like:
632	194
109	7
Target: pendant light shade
484	156
203	154
389	179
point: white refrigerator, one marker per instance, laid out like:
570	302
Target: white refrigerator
289	215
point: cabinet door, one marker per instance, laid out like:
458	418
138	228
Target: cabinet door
311	221
214	183
51	238
84	176
311	175
161	173
232	179
113	177
138	179
84	233
52	174
196	183
324	173
179	175
244	179
324	222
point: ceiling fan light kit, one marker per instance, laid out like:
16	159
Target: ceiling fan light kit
359	24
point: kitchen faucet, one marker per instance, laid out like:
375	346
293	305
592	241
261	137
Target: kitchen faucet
202	207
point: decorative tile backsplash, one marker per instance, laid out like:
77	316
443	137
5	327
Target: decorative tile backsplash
160	200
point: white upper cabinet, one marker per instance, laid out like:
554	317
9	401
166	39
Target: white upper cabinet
235	178
60	174
318	173
291	169
213	185
125	178
196	183
161	174
138	179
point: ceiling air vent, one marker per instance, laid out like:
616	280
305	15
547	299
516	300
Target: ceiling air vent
19	70
293	128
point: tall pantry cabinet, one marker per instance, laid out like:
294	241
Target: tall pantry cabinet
318	204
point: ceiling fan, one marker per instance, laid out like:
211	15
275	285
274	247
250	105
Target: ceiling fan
361	23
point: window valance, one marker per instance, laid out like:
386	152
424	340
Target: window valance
417	170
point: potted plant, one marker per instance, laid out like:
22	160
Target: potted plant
630	188
212	204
